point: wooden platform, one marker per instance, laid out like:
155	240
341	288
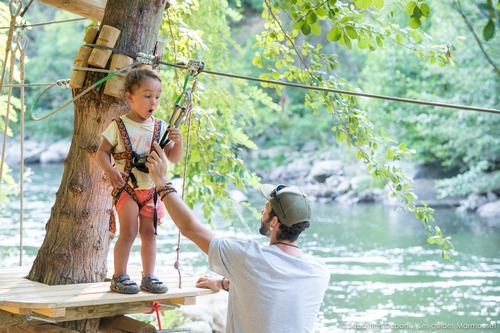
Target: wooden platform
23	300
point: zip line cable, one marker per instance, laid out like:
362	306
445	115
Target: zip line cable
345	92
308	87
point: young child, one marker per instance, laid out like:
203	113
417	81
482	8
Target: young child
133	189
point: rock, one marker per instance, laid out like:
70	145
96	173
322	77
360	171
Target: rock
196	327
31	152
211	309
322	170
490	210
56	152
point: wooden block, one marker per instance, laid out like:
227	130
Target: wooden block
107	37
114	86
81	60
90	35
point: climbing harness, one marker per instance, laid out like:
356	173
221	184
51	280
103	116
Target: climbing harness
131	159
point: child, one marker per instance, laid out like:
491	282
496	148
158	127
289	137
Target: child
129	140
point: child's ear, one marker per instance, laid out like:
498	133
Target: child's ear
128	96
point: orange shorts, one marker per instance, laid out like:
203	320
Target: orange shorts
146	210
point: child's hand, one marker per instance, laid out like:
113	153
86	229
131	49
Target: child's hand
174	134
116	177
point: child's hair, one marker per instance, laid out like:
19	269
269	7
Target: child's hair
134	77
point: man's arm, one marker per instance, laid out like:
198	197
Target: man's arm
180	213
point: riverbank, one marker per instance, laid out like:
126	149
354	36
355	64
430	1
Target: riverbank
323	179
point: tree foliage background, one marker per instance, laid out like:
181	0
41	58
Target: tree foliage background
431	50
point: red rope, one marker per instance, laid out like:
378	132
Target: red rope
156	307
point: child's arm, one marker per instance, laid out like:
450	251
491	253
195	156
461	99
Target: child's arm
115	176
174	149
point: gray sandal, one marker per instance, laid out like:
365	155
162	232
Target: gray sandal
153	285
124	285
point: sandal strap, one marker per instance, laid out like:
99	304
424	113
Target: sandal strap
125	280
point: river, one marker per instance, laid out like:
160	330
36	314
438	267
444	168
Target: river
384	275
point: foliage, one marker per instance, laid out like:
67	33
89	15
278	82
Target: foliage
287	56
224	111
7	104
441	134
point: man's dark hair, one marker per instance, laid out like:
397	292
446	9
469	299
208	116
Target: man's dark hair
289	233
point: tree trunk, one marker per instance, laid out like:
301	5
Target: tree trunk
77	240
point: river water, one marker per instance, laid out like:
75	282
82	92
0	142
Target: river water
384	276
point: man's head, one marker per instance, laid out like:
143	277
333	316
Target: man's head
288	202
291	207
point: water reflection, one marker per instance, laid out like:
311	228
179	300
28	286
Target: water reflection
384	275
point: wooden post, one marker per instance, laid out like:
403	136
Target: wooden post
107	37
114	86
91	9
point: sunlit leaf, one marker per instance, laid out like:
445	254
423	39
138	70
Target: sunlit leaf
334	34
363	4
410	6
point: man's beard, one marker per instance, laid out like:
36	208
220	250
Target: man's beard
264	227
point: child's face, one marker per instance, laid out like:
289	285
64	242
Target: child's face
144	100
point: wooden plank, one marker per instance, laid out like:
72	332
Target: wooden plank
21	297
53	312
16	310
108	297
91	9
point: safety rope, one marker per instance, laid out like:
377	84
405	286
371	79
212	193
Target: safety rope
156	309
22	44
63	84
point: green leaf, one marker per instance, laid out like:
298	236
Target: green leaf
334	34
399	38
312	17
425	10
378	3
414	22
489	30
347	42
305	29
410	6
316	29
351	32
363	4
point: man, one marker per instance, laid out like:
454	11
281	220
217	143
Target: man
272	289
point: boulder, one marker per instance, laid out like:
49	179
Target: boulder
490	210
56	152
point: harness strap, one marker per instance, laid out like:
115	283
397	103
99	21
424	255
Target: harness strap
129	156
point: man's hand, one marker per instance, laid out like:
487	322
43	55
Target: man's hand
206	282
157	165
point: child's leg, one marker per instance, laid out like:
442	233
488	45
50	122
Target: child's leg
148	245
128	218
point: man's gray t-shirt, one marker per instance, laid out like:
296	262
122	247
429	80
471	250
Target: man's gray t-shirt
270	291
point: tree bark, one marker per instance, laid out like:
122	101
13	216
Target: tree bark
77	240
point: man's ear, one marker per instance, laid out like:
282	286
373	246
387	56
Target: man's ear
274	222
